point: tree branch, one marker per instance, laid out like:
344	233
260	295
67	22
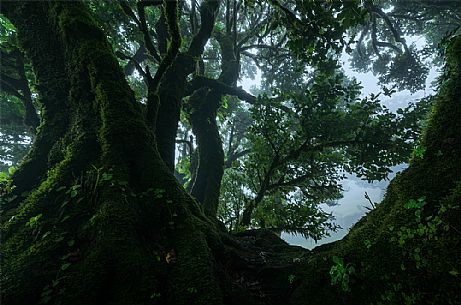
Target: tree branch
171	14
208	10
129	12
235	156
135	63
144	29
201	81
391	27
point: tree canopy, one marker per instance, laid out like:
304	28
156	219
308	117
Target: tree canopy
282	144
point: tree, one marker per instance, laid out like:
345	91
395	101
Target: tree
382	45
239	35
94	214
64	44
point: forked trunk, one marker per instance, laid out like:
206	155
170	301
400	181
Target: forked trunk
105	221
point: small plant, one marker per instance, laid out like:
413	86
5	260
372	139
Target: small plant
4	177
417	205
5	186
159	193
33	221
340	273
367	243
291	278
48	292
74	190
419	152
192	290
11	170
155	295
422	232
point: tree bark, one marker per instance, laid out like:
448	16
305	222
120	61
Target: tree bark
132	238
171	90
53	87
204	107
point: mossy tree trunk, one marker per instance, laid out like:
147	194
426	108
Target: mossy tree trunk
53	85
172	86
104	222
205	104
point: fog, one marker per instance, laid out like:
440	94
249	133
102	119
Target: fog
353	205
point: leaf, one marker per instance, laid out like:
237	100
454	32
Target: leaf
33	221
7	24
11	170
170	257
351	270
10	199
65	266
64	203
61	188
123	183
454	272
70	243
337	260
106	177
45	299
46	291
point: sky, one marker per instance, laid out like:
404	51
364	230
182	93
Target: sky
352	206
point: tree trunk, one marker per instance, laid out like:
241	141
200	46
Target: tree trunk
107	223
205	104
171	89
53	86
207	183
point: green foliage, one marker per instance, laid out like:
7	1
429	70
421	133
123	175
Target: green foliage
382	48
306	129
7	28
303	141
318	108
367	243
232	198
15	137
423	229
341	273
318	30
417	241
6	186
291	278
33	221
